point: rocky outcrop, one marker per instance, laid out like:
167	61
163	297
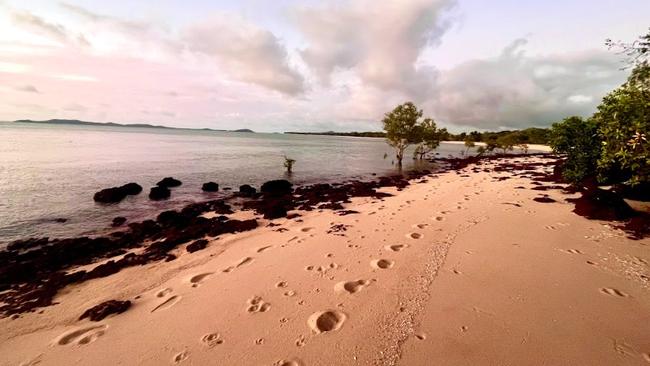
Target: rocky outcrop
117	194
169	182
247	190
33	271
159	193
278	187
210	187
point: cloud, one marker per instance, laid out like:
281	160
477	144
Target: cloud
13	68
380	41
242	50
50	30
249	53
74	107
134	31
75	77
27	88
514	90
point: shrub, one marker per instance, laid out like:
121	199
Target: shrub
624	123
579	140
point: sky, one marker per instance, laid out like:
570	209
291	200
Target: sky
288	65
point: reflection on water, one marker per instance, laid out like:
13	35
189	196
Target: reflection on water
50	172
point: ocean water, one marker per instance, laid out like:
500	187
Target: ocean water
51	172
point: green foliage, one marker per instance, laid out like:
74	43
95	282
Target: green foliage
507	142
288	163
579	140
531	135
429	136
332	133
491	145
469	143
624	123
403	128
475	136
480	151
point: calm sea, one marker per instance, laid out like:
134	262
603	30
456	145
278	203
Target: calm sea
51	172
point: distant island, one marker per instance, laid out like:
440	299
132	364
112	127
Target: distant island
113	124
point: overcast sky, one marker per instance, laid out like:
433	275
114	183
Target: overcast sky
311	65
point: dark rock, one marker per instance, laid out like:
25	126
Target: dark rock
103	270
159	193
117	194
109	195
278	187
27	244
196	245
173	218
101	311
131	188
347	212
247	190
544	199
210	187
169	182
118	221
275	210
60	220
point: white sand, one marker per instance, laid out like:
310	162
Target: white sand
516	149
455	271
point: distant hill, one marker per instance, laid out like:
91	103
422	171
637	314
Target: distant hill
113	124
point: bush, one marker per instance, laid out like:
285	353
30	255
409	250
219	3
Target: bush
624	123
579	140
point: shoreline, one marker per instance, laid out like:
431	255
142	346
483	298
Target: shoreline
376	234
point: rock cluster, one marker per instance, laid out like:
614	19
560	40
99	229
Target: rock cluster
33	271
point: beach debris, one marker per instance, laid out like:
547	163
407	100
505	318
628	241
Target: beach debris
196	245
101	311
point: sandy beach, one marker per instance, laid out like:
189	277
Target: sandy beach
459	268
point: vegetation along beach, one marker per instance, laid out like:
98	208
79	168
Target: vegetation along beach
421	182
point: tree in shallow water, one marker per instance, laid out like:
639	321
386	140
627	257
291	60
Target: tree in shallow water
404	127
288	163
